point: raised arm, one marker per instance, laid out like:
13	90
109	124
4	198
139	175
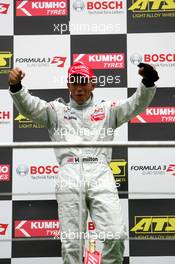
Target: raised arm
30	106
136	104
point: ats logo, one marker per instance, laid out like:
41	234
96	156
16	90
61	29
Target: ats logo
41	8
154	226
5	62
4	8
24	122
162	114
37	228
102	60
152	8
118	168
4	172
3	229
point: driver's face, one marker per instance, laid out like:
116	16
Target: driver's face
80	88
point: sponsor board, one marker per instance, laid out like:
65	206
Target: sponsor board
158	52
153	176
152	227
109	63
157	121
40	58
36	222
37	176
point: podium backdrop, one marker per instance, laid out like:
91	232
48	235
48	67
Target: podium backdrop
44	38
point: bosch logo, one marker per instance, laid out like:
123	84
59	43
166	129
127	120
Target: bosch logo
159	57
22	170
104	5
44	169
78	5
136	58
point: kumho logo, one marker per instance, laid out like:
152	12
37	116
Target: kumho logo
41	8
102	60
4	172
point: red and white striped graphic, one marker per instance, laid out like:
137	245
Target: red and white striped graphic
92	258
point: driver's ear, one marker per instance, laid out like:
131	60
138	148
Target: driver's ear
68	86
93	83
93	86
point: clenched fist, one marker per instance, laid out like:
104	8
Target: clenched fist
15	76
148	73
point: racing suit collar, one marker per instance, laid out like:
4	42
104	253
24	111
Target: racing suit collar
88	103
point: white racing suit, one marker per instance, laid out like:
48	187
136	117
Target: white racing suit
86	182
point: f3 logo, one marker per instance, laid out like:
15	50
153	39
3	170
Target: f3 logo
4	8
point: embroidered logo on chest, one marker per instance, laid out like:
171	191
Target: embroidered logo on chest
98	114
69	114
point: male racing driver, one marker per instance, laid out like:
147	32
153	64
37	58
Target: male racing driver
88	181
